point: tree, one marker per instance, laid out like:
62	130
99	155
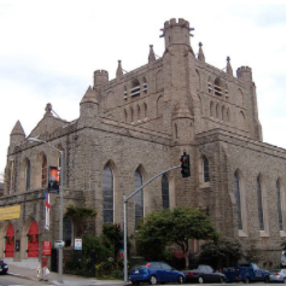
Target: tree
222	251
176	226
79	214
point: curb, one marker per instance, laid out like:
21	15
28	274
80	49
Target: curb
99	283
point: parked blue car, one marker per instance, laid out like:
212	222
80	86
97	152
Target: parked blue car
155	272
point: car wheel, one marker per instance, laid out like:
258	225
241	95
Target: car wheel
201	280
266	279
180	279
284	280
246	280
153	280
221	280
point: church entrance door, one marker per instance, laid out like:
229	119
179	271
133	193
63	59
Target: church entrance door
9	241
33	240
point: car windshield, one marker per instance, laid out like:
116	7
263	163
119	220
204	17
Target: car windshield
276	270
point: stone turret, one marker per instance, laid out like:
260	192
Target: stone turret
244	73
176	32
100	78
17	135
89	104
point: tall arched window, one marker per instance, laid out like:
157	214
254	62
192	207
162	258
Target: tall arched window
107	193
67	231
27	176
44	171
145	110
125	116
206	170
139	202
11	177
260	204
165	192
212	112
138	113
236	189
131	115
279	208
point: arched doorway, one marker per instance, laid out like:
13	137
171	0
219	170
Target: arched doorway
9	241
33	240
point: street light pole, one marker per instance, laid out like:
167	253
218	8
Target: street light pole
61	193
125	201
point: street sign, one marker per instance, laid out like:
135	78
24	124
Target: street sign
78	244
59	244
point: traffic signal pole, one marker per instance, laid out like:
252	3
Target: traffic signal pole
125	200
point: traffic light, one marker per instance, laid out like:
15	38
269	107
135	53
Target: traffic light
185	166
54	180
117	227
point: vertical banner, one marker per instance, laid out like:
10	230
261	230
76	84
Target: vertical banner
54	180
47	210
47	248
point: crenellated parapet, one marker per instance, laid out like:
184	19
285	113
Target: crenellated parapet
100	77
244	73
176	32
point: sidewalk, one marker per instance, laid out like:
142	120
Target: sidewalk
69	280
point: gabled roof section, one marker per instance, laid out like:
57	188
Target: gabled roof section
18	129
48	124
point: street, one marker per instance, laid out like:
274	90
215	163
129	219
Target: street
9	280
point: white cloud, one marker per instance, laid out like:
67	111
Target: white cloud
49	50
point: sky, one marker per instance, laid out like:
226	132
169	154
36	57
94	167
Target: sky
50	49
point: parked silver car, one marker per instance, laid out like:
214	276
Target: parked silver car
278	275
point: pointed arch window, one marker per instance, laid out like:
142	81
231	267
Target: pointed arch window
108	194
165	192
125	116
27	176
279	207
212	111
218	87
11	177
139	201
145	110
131	115
206	170
135	89
67	231
236	188
138	113
260	205
145	86
44	171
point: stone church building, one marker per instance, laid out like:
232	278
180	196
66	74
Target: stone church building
135	126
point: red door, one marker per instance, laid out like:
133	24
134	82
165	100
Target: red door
9	241
33	240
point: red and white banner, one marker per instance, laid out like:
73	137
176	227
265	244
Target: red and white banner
47	211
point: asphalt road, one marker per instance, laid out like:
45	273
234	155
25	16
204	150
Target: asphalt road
8	280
